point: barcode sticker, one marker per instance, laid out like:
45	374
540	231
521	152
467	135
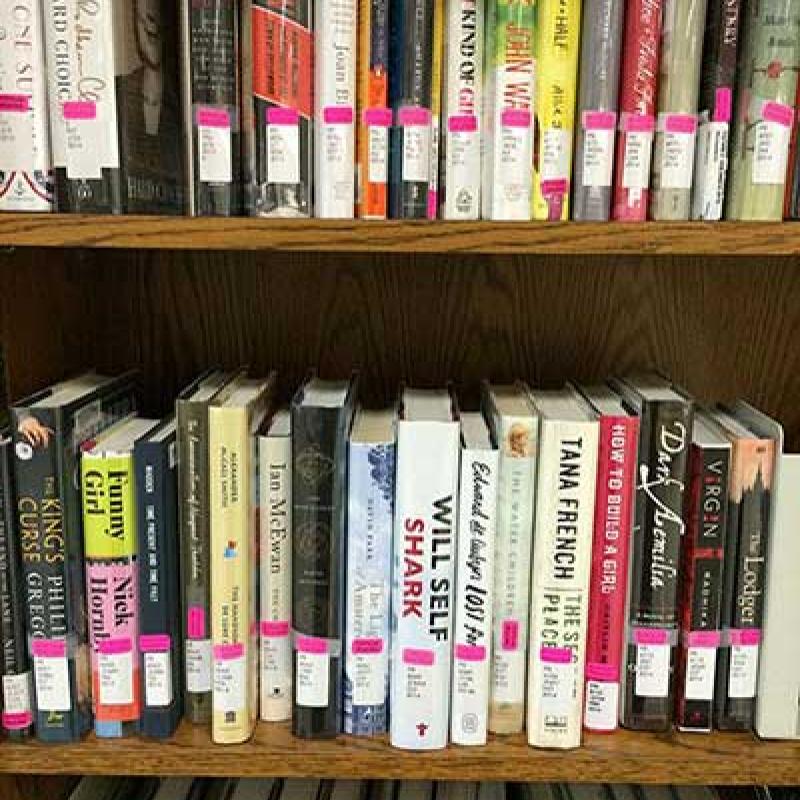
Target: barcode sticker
700	666
158	691
514	158
558	680
51	675
602	706
198	665
652	670
337	142
743	671
313	677
83	132
369	671
214	145
598	147
508	676
115	672
230	678
283	146
416	131
17	694
556	151
710	170
276	659
677	153
16	133
378	122
636	164
771	148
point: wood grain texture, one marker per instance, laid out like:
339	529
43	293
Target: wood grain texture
350	236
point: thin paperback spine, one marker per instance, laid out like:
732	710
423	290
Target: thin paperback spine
472	635
335	101
676	124
557	41
463	112
437	88
636	123
596	123
59	81
371	482
26	172
509	102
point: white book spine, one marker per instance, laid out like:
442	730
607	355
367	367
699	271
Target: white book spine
463	109
59	45
25	163
710	168
560	585
335	99
472	639
424	553
275	566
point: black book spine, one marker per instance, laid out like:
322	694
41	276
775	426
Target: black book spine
319	502
655	559
161	638
14	665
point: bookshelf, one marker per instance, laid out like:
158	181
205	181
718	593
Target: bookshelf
715	306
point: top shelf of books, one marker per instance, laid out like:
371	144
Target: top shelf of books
400	236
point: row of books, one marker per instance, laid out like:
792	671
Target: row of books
411	109
564	559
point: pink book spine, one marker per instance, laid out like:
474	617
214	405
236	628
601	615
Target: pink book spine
616	473
637	106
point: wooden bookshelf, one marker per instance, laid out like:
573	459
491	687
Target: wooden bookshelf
624	757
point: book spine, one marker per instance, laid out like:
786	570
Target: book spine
213	34
374	116
195	557
597	109
319	498
109	526
411	95
613	520
515	514
790	193
766	89
59	76
335	100
231	523
160	636
26	174
556	43
745	573
509	103
676	126
369	564
424	550
463	111
652	630
472	636
17	694
702	586
715	108
638	88
436	107
275	589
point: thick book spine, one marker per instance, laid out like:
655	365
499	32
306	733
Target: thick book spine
275	585
334	102
706	522
212	108
319	498
652	626
638	89
160	636
752	467
423	581
463	110
410	95
676	125
556	46
109	526
562	557
232	545
765	94
17	695
509	101
472	635
195	556
715	108
613	520
26	173
601	42
371	479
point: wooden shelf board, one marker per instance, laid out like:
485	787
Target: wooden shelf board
624	757
499	238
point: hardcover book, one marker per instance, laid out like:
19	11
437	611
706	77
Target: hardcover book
652	604
112	580
701	592
370	517
472	637
48	431
155	459
426	502
322	413
562	555
514	427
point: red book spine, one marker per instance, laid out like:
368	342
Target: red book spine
637	106
616	480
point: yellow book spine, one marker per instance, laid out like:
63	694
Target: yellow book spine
557	44
436	107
